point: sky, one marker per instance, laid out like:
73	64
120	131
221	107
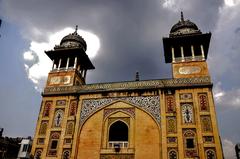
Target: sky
122	37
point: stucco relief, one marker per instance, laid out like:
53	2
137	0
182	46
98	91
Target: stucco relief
151	104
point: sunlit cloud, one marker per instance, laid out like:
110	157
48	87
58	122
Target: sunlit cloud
37	64
176	5
169	4
218	92
28	56
227	98
231	3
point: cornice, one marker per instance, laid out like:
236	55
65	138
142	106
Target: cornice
129	85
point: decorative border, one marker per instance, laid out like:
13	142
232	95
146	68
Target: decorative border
151	104
185	96
101	87
112	110
60	102
113	120
117	156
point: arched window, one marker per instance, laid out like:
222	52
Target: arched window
58	118
70	128
210	154
53	144
172	154
118	131
190	143
43	128
189	139
118	134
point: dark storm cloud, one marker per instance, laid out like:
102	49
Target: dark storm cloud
130	31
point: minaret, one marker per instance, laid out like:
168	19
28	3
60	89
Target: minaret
70	62
187	49
54	133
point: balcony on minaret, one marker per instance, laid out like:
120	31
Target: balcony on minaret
186	43
186	53
64	64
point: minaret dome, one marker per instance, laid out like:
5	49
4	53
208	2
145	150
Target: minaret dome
184	28
72	40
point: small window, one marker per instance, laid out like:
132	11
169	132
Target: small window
190	143
25	147
54	144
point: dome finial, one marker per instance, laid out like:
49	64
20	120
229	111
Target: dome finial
137	76
76	28
182	18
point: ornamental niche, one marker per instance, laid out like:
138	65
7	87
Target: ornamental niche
187	113
47	107
43	128
73	108
171	125
170	103
58	118
206	123
203	102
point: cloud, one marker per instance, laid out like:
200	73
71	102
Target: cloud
224	56
218	91
225	43
229	99
228	149
176	5
231	3
37	64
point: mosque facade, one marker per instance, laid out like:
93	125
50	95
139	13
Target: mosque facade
143	119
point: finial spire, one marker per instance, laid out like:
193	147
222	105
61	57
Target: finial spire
182	18
76	28
137	76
